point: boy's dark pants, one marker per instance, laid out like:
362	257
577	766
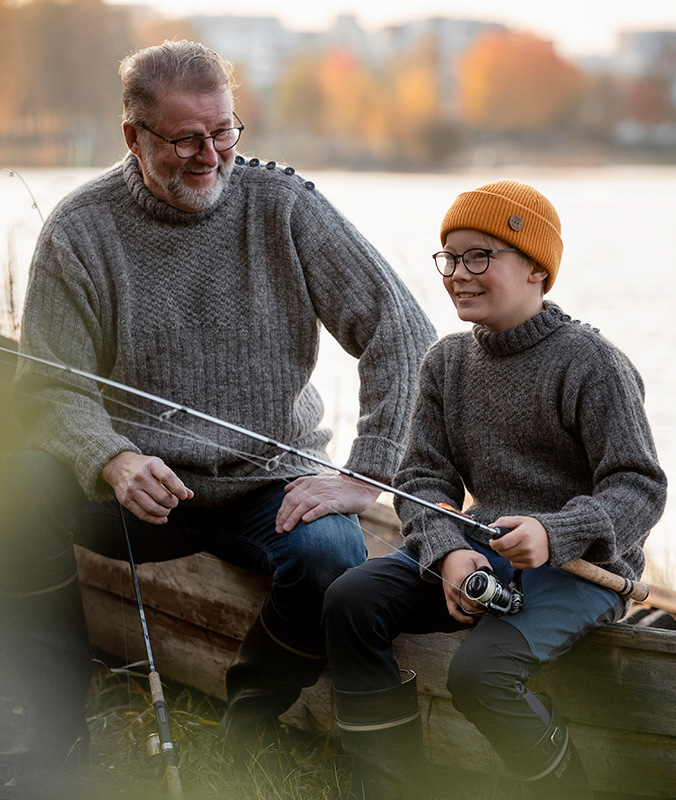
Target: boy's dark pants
369	606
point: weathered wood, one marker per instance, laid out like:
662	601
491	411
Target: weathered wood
617	685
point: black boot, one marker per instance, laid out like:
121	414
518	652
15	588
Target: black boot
265	679
551	769
382	732
47	663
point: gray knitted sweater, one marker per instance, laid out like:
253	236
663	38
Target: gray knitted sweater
544	420
217	310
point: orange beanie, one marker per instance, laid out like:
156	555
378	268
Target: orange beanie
515	213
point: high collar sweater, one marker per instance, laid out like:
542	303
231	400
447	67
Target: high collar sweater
217	310
543	420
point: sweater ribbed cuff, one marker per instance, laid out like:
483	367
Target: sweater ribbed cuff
375	456
93	458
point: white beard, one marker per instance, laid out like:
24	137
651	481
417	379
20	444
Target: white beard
194	199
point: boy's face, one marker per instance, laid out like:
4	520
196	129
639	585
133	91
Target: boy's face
508	293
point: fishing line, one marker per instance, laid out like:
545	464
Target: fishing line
167	418
583	569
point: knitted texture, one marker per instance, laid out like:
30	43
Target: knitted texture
218	310
543	420
515	213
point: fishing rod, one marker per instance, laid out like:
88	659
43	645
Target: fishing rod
584	569
13	173
166	743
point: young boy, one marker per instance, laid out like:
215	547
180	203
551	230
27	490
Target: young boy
540	419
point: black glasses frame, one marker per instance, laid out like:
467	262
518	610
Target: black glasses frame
239	128
456	259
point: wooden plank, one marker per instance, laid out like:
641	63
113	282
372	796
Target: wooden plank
616	685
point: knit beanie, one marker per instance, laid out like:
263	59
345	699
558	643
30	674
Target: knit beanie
515	213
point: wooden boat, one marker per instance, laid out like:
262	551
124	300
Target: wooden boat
617	686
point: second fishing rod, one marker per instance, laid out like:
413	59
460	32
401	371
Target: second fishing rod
584	569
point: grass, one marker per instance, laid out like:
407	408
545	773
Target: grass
121	718
299	766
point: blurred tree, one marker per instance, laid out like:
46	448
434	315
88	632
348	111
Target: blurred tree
517	82
12	64
422	133
298	97
350	98
332	103
646	100
65	62
155	30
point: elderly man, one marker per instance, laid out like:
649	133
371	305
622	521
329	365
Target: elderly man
198	276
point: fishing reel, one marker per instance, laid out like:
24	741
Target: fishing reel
498	597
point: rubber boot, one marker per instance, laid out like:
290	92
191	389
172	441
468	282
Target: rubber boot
48	664
551	769
382	732
265	679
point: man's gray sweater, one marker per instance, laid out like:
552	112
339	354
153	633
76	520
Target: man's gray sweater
544	420
217	310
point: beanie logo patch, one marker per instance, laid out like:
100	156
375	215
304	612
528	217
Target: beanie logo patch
516	222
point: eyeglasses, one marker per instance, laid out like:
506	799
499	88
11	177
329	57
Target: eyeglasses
476	260
190	146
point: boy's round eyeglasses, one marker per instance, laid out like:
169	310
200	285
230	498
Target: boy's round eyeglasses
476	260
190	146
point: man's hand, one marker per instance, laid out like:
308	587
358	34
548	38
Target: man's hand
526	546
314	496
454	568
145	485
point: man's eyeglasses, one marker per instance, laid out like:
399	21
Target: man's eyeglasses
476	260
190	146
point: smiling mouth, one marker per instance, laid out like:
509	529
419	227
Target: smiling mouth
467	295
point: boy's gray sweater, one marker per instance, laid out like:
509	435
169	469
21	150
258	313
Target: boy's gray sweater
218	310
544	420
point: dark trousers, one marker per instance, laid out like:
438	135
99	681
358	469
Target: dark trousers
370	605
44	512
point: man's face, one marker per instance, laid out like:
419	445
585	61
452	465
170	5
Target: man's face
190	184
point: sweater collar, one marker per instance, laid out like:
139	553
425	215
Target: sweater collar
528	334
157	208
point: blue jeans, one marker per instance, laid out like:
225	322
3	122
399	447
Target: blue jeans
370	605
47	512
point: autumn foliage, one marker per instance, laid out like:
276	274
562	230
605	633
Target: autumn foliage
517	82
423	104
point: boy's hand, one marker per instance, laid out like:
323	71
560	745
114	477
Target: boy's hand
526	546
454	568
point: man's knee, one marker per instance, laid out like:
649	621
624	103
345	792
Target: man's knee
334	544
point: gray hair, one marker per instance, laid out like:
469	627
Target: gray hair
180	66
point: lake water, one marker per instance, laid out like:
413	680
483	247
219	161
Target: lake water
618	272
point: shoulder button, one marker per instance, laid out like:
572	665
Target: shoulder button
309	185
254	162
239	160
271	165
289	171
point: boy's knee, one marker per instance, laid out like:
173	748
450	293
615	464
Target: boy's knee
347	605
488	667
342	594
